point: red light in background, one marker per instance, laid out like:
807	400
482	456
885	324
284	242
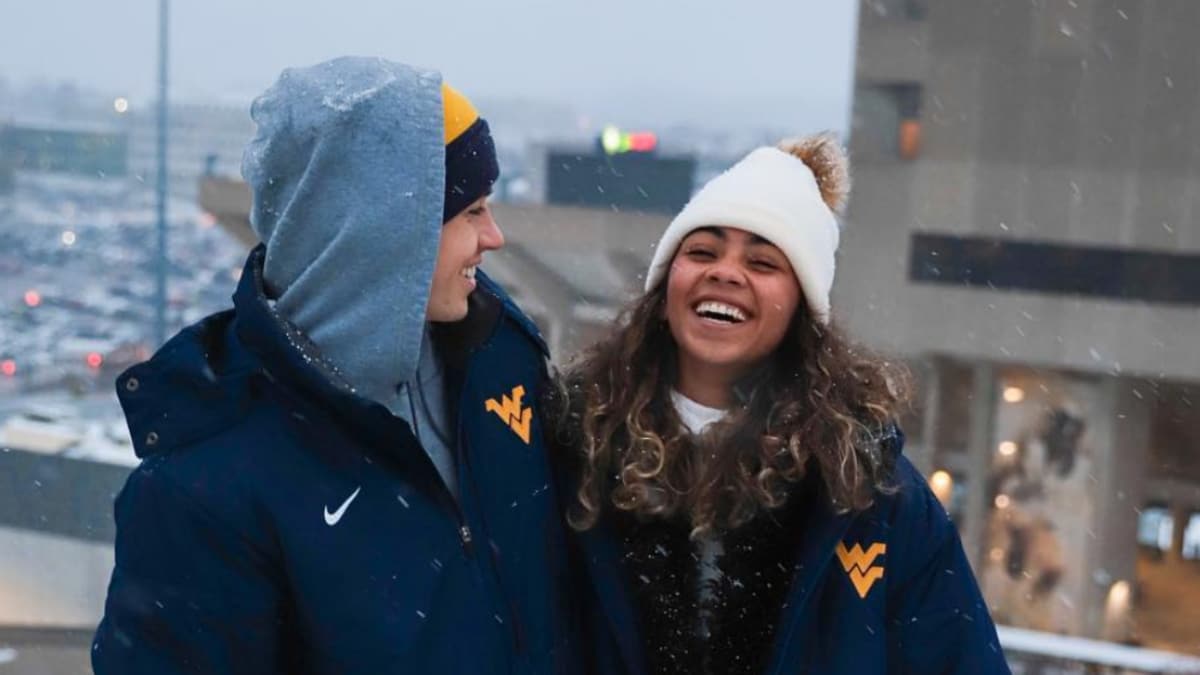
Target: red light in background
33	298
642	141
8	367
94	360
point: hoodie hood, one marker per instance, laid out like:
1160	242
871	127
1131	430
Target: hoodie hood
347	173
206	379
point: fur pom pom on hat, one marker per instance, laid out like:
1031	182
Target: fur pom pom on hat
789	195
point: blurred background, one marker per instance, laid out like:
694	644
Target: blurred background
1024	234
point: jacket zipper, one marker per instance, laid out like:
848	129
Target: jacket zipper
515	628
465	538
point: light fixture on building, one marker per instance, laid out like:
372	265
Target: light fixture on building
1116	609
121	105
1002	501
942	484
909	139
1014	394
1008	449
1118	595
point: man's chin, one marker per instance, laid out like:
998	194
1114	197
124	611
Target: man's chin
448	314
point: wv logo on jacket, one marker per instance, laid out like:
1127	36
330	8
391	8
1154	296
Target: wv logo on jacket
859	565
509	410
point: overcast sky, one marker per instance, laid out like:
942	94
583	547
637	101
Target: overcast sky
711	62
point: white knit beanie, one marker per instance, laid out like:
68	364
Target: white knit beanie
788	195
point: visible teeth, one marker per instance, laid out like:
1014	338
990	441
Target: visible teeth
720	310
469	272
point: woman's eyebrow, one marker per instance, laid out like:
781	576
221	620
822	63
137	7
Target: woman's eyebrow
713	230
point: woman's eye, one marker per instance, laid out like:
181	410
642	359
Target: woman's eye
701	253
764	264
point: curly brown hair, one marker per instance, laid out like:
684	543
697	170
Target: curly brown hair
820	403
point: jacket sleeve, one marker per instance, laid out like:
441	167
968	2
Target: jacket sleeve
188	594
937	618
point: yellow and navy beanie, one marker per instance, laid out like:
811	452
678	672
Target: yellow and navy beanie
471	166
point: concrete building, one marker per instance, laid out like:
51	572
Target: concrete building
1025	231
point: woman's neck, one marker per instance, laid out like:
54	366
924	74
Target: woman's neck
705	383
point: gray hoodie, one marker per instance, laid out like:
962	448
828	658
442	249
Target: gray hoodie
347	171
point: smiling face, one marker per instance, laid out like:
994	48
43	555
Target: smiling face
464	240
731	296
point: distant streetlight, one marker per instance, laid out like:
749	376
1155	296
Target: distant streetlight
1003	501
1008	448
160	276
68	238
121	105
1014	394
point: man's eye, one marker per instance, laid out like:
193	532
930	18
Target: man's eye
702	253
764	264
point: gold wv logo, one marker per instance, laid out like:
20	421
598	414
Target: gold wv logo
859	564
510	411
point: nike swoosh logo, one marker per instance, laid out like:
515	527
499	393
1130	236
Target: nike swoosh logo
332	519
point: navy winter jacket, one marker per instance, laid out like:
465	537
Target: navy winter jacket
281	524
887	590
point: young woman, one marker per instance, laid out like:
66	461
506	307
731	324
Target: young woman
733	463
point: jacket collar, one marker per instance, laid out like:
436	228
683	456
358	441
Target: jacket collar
823	529
290	359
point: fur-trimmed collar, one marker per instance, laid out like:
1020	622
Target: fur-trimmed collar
757	567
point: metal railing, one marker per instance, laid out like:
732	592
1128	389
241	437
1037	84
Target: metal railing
1035	653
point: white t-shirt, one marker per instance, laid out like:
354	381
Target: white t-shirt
697	417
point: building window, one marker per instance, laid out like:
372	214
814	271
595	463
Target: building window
1003	264
913	10
1191	538
1156	528
887	120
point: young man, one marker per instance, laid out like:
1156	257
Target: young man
344	473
